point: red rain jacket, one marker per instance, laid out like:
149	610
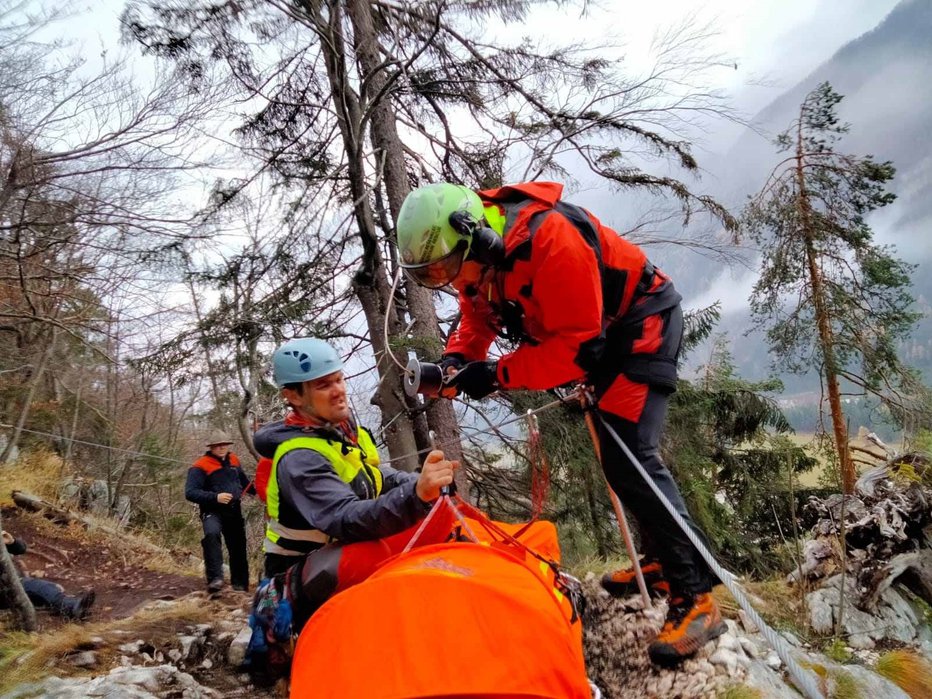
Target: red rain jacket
566	278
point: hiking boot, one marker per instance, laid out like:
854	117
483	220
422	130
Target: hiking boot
240	588
78	608
691	623
624	583
215	585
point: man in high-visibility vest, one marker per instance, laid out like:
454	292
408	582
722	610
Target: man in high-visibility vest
579	303
326	484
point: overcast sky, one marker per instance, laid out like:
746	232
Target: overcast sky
780	40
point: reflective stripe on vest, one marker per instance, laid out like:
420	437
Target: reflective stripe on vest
356	459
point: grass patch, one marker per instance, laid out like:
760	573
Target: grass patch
140	548
598	565
39	472
837	651
777	602
30	657
739	691
907	670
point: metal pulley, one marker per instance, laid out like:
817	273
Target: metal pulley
423	378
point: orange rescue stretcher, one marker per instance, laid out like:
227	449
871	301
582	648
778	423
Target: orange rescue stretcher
460	607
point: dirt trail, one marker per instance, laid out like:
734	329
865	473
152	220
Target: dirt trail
68	557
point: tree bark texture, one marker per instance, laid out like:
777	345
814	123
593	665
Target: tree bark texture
390	152
370	283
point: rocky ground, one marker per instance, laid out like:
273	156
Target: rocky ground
155	634
617	633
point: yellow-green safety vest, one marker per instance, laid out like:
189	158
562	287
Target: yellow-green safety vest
348	461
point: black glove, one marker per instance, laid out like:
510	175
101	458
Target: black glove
453	360
477	379
486	246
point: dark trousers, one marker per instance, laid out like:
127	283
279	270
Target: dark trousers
661	537
313	579
276	563
633	395
44	593
230	524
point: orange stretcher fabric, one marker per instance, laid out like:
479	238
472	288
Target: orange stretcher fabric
455	619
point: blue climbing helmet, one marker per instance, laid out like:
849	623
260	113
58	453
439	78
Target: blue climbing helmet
304	359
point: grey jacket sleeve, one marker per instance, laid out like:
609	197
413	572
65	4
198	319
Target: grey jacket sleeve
393	478
308	483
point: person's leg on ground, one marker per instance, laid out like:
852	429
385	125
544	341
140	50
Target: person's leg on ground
693	618
633	399
44	593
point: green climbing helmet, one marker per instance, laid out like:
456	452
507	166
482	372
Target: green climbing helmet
432	252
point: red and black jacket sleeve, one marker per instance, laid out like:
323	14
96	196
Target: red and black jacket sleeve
567	304
197	489
473	335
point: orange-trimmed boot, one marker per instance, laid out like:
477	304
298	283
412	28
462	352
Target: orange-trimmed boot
624	583
691	623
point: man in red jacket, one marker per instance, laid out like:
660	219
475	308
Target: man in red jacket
579	303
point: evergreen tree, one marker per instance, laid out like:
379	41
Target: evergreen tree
830	297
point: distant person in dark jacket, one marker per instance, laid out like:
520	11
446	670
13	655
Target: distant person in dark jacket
45	593
217	483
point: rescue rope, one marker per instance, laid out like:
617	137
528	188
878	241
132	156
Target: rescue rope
454	440
388	312
804	680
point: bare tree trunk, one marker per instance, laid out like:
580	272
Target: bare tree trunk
440	414
370	282
11	588
69	441
826	341
30	395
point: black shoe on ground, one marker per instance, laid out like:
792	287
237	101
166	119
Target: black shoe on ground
240	588
215	585
78	608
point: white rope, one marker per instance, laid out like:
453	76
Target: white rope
804	680
388	313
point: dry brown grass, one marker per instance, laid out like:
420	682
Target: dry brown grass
29	657
39	472
777	602
909	671
141	550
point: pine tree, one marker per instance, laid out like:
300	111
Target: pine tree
828	294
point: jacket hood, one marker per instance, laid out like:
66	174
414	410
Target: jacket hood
548	193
